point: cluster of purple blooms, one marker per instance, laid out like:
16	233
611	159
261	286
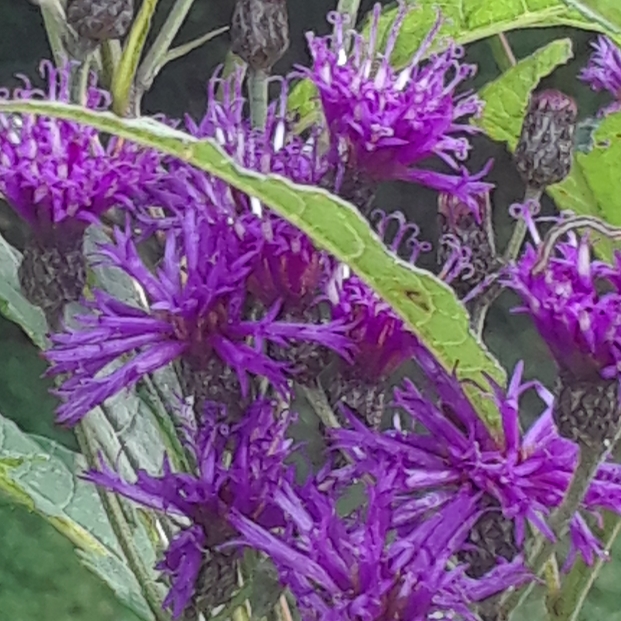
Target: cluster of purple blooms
246	308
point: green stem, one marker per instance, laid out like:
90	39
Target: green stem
122	530
519	232
125	74
79	80
110	58
502	52
484	303
257	96
153	60
150	393
567	603
350	8
543	549
54	27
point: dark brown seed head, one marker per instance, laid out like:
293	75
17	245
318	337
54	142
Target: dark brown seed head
545	149
260	32
100	20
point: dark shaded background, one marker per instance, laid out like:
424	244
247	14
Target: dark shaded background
40	577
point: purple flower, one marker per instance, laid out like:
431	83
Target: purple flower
288	266
274	149
354	569
256	449
382	340
574	312
59	173
524	476
193	311
389	123
603	73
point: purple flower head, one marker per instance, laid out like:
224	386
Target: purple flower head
524	476
354	569
236	469
389	123
193	311
603	73
382	340
59	173
574	303
288	268
273	149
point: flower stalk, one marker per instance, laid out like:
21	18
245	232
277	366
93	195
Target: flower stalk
121	528
543	549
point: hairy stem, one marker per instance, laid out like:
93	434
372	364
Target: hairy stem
543	549
122	530
53	20
319	402
484	303
566	604
257	96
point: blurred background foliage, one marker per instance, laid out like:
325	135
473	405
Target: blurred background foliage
40	577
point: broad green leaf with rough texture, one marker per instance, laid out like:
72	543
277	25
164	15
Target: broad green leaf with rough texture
426	304
42	475
607	13
592	185
13	305
601	168
465	21
506	98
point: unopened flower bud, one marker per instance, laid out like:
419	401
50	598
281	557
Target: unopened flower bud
545	150
260	32
100	20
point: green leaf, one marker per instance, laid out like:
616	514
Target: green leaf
601	168
607	13
426	304
13	305
123	79
591	186
464	21
42	475
506	98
